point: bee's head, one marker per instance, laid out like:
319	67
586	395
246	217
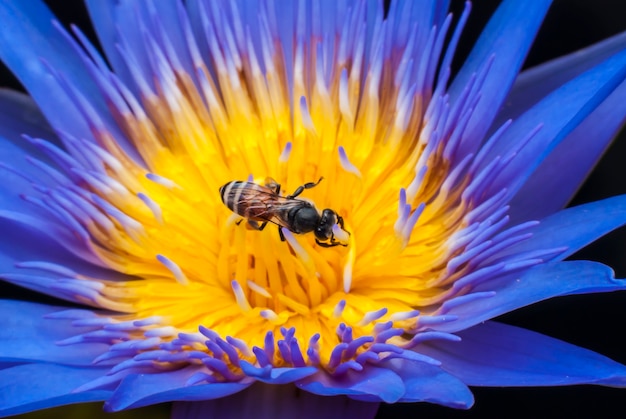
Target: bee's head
324	229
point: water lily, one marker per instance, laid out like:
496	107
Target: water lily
450	190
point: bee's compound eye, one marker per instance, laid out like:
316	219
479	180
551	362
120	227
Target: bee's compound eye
321	233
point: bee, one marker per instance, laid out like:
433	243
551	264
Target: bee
262	204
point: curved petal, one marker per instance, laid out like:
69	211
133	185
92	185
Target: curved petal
29	42
508	36
276	375
573	228
27	336
138	390
375	383
115	21
29	387
537	284
557	179
534	84
429	383
25	243
20	115
12	186
495	354
556	116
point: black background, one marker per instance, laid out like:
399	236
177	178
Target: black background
593	321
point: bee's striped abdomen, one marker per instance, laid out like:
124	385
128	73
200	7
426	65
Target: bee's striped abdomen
246	198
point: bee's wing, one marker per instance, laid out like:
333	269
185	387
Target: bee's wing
263	206
281	210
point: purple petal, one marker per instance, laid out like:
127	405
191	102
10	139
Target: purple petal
38	386
20	115
277	375
12	185
556	115
429	383
537	284
573	228
105	17
534	84
27	336
560	175
375	383
114	21
27	39
508	36
495	354
143	389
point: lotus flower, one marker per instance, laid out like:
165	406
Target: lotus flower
447	196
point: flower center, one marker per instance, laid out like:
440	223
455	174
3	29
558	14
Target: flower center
199	265
153	209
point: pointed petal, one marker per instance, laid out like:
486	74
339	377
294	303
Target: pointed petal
537	284
116	20
560	175
103	16
28	38
13	186
20	115
143	389
557	116
508	36
29	387
534	84
495	354
27	336
573	228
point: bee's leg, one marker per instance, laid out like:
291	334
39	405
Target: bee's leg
255	225
323	244
262	226
280	233
239	221
332	243
303	187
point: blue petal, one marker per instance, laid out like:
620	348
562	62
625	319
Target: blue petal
534	84
376	384
27	39
32	243
556	115
12	186
557	178
20	115
508	36
27	336
560	175
114	21
494	354
276	375
38	386
104	17
143	389
537	284
573	228
429	383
